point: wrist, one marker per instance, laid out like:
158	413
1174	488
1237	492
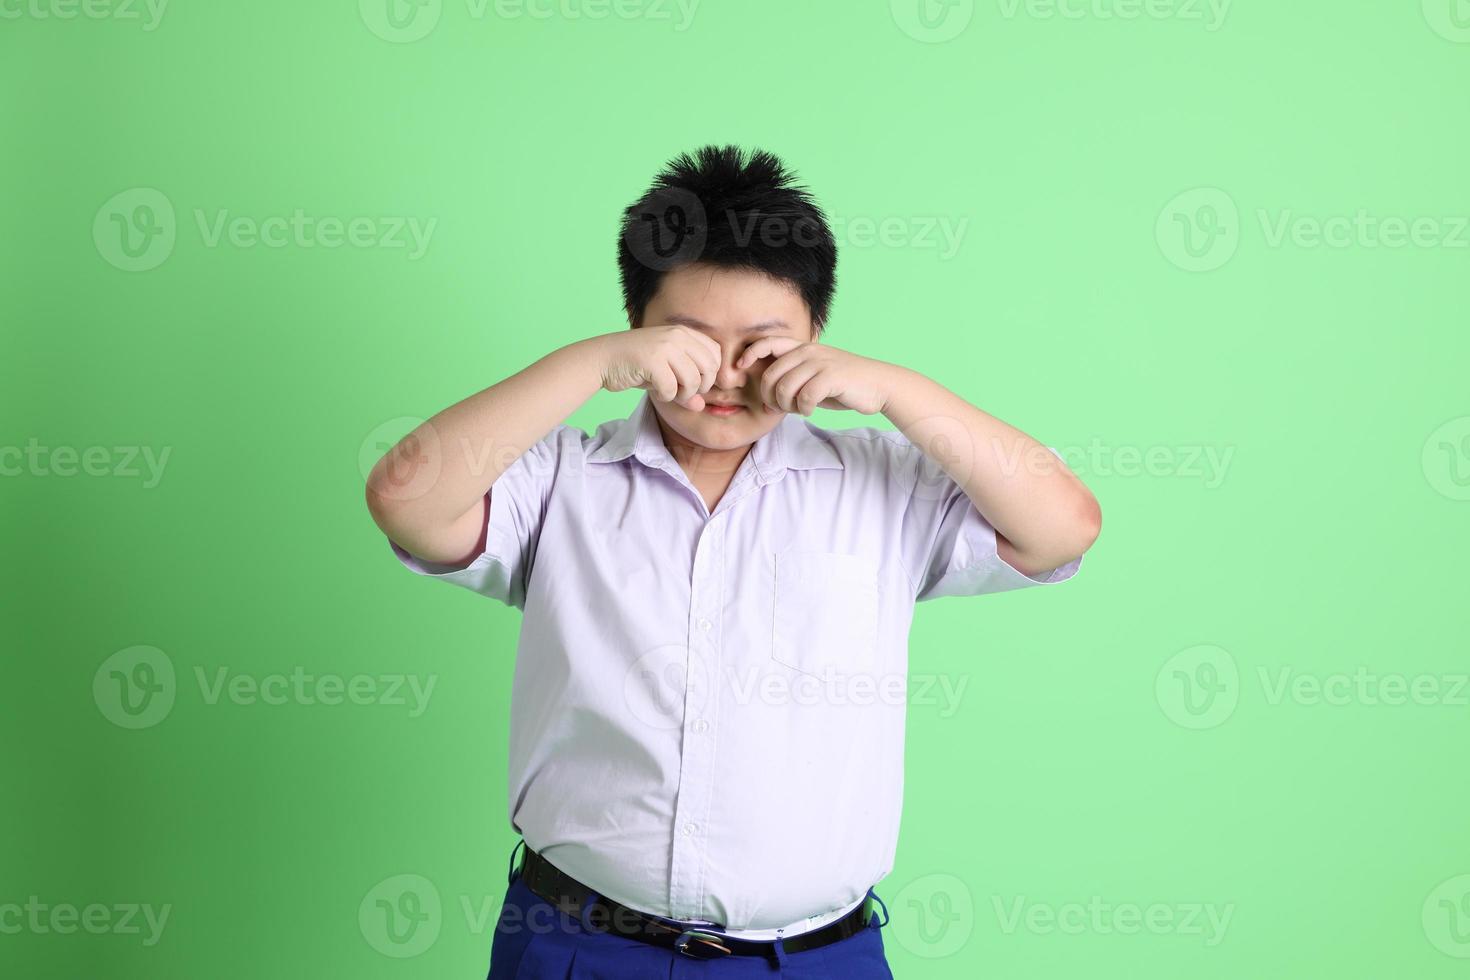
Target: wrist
595	353
891	382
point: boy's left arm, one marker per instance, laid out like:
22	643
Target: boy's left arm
1044	516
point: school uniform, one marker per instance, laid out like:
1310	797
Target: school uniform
707	711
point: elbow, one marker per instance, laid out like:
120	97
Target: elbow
377	505
1081	533
1086	527
383	495
1067	541
1089	523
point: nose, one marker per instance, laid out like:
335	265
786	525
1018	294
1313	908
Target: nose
730	378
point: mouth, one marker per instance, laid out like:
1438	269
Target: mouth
722	411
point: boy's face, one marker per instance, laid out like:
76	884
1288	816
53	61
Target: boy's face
734	308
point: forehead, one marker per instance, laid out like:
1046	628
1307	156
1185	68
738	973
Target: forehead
737	301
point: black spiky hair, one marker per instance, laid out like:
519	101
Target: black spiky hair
727	208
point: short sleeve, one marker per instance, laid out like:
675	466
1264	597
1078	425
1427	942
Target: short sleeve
517	507
949	548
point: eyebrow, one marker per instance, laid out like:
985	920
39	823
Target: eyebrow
764	326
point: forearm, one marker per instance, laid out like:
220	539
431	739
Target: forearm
1021	488
436	473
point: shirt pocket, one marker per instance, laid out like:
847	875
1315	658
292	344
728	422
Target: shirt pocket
825	612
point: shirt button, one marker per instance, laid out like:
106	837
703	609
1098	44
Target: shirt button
704	624
690	829
701	726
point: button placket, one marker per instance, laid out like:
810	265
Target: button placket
696	763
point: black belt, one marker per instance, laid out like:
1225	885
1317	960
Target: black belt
571	896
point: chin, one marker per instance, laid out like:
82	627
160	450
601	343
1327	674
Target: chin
721	433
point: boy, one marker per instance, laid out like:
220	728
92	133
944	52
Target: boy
707	713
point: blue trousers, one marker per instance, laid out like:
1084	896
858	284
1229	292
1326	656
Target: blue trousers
535	941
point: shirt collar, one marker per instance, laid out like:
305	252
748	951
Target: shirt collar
792	444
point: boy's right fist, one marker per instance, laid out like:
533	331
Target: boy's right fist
675	363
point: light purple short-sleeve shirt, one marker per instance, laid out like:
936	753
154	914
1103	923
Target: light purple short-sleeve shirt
707	714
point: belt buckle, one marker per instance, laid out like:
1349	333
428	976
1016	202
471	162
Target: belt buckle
688	937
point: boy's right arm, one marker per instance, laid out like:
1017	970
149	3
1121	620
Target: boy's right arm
428	493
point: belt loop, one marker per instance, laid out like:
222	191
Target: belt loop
511	877
874	896
778	946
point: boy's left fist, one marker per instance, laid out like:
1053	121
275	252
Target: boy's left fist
806	376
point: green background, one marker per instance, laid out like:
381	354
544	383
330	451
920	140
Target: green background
1084	759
